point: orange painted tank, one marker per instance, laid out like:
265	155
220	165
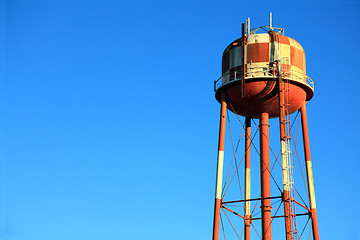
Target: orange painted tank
264	53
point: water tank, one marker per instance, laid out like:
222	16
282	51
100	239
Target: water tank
267	56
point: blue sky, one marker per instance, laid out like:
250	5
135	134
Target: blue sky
109	123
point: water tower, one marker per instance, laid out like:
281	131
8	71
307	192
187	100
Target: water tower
264	77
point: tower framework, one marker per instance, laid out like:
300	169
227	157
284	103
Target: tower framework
264	77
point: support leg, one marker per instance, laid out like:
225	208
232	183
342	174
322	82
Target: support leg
247	178
265	176
309	173
219	173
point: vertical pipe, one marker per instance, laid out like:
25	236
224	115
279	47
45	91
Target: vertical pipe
242	60
219	172
247	178
284	159
309	173
265	177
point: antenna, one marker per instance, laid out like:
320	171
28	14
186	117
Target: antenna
270	21
248	31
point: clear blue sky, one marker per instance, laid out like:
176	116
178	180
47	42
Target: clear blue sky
109	125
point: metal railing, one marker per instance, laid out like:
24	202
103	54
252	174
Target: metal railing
310	82
267	72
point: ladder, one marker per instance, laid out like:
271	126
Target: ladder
285	128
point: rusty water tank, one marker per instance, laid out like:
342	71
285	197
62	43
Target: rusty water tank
267	57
